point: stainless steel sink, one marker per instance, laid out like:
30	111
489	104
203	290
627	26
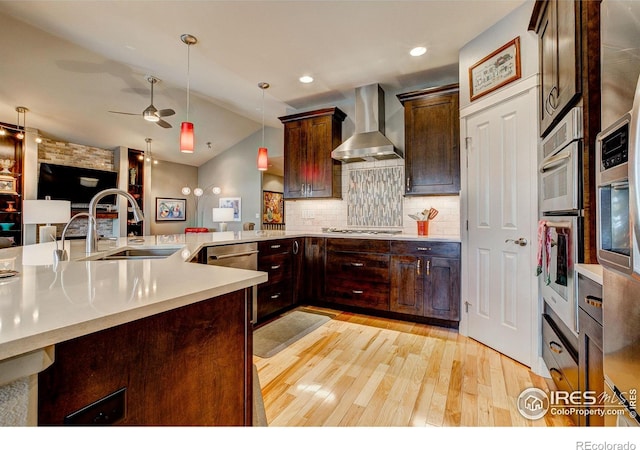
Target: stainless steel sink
140	253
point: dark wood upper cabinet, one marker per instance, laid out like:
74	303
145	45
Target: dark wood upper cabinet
432	136
557	24
309	139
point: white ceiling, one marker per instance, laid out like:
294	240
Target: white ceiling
70	62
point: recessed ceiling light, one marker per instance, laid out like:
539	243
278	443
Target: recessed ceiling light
306	79
418	51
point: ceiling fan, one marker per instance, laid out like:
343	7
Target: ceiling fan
152	114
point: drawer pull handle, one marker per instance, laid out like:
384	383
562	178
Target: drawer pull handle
276	246
355	291
274	296
559	374
418	263
275	267
555	347
593	301
354	264
424	249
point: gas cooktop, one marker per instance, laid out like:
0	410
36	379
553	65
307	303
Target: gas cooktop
360	231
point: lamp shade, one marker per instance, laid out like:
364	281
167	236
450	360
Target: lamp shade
223	214
46	211
186	137
263	158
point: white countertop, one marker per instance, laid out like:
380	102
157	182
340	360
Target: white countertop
591	271
44	305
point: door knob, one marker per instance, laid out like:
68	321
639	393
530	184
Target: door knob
522	242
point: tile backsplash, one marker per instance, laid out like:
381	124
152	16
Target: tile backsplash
372	198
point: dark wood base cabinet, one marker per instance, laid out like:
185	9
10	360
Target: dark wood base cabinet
410	280
188	366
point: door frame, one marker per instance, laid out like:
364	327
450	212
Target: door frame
530	87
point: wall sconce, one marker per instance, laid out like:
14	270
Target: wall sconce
38	212
223	215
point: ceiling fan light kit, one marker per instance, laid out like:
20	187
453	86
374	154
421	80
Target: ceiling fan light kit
187	137
151	113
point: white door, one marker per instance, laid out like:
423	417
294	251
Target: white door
501	146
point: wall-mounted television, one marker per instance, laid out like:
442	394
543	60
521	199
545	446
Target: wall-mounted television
75	184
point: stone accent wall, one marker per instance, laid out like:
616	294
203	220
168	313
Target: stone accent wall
68	154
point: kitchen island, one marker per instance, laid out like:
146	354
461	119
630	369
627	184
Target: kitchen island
168	310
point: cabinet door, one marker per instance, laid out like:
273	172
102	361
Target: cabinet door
547	38
590	370
294	159
568	42
432	133
318	162
407	284
442	299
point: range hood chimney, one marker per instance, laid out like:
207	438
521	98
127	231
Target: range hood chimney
368	143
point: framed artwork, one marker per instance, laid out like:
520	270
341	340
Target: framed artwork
171	209
7	185
272	207
232	202
495	70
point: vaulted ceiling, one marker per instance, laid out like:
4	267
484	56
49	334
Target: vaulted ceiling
70	62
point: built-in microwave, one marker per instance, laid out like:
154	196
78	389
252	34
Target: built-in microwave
560	167
614	237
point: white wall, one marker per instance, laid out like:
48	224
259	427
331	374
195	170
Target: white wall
513	25
236	172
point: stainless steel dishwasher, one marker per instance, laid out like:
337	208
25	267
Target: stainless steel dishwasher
238	256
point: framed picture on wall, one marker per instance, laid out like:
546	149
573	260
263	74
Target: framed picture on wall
272	207
171	209
232	202
499	68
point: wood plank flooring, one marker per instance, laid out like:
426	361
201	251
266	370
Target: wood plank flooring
359	370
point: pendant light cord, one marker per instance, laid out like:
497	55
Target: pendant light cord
263	117
188	76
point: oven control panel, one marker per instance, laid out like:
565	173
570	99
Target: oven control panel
614	146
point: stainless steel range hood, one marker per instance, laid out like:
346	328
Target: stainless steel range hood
368	142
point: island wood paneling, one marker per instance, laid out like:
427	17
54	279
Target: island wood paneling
188	366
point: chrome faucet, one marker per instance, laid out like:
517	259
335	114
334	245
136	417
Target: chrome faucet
61	255
92	235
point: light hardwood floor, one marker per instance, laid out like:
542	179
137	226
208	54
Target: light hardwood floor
359	370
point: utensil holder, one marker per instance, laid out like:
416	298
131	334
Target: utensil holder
423	227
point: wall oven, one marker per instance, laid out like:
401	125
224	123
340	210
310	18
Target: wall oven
560	156
558	285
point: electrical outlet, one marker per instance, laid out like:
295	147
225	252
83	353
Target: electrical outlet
257	215
307	214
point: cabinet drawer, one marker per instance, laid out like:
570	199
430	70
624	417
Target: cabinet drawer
359	266
347	292
448	249
558	376
556	348
357	245
274	298
590	297
273	247
278	266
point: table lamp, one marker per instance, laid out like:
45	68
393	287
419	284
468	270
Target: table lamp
38	212
223	215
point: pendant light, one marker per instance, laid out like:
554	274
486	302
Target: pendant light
147	153
187	139
23	110
263	153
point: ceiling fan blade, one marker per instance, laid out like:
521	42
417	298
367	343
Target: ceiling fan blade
163	124
126	113
165	112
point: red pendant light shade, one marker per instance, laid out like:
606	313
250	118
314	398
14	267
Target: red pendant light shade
263	158
187	138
